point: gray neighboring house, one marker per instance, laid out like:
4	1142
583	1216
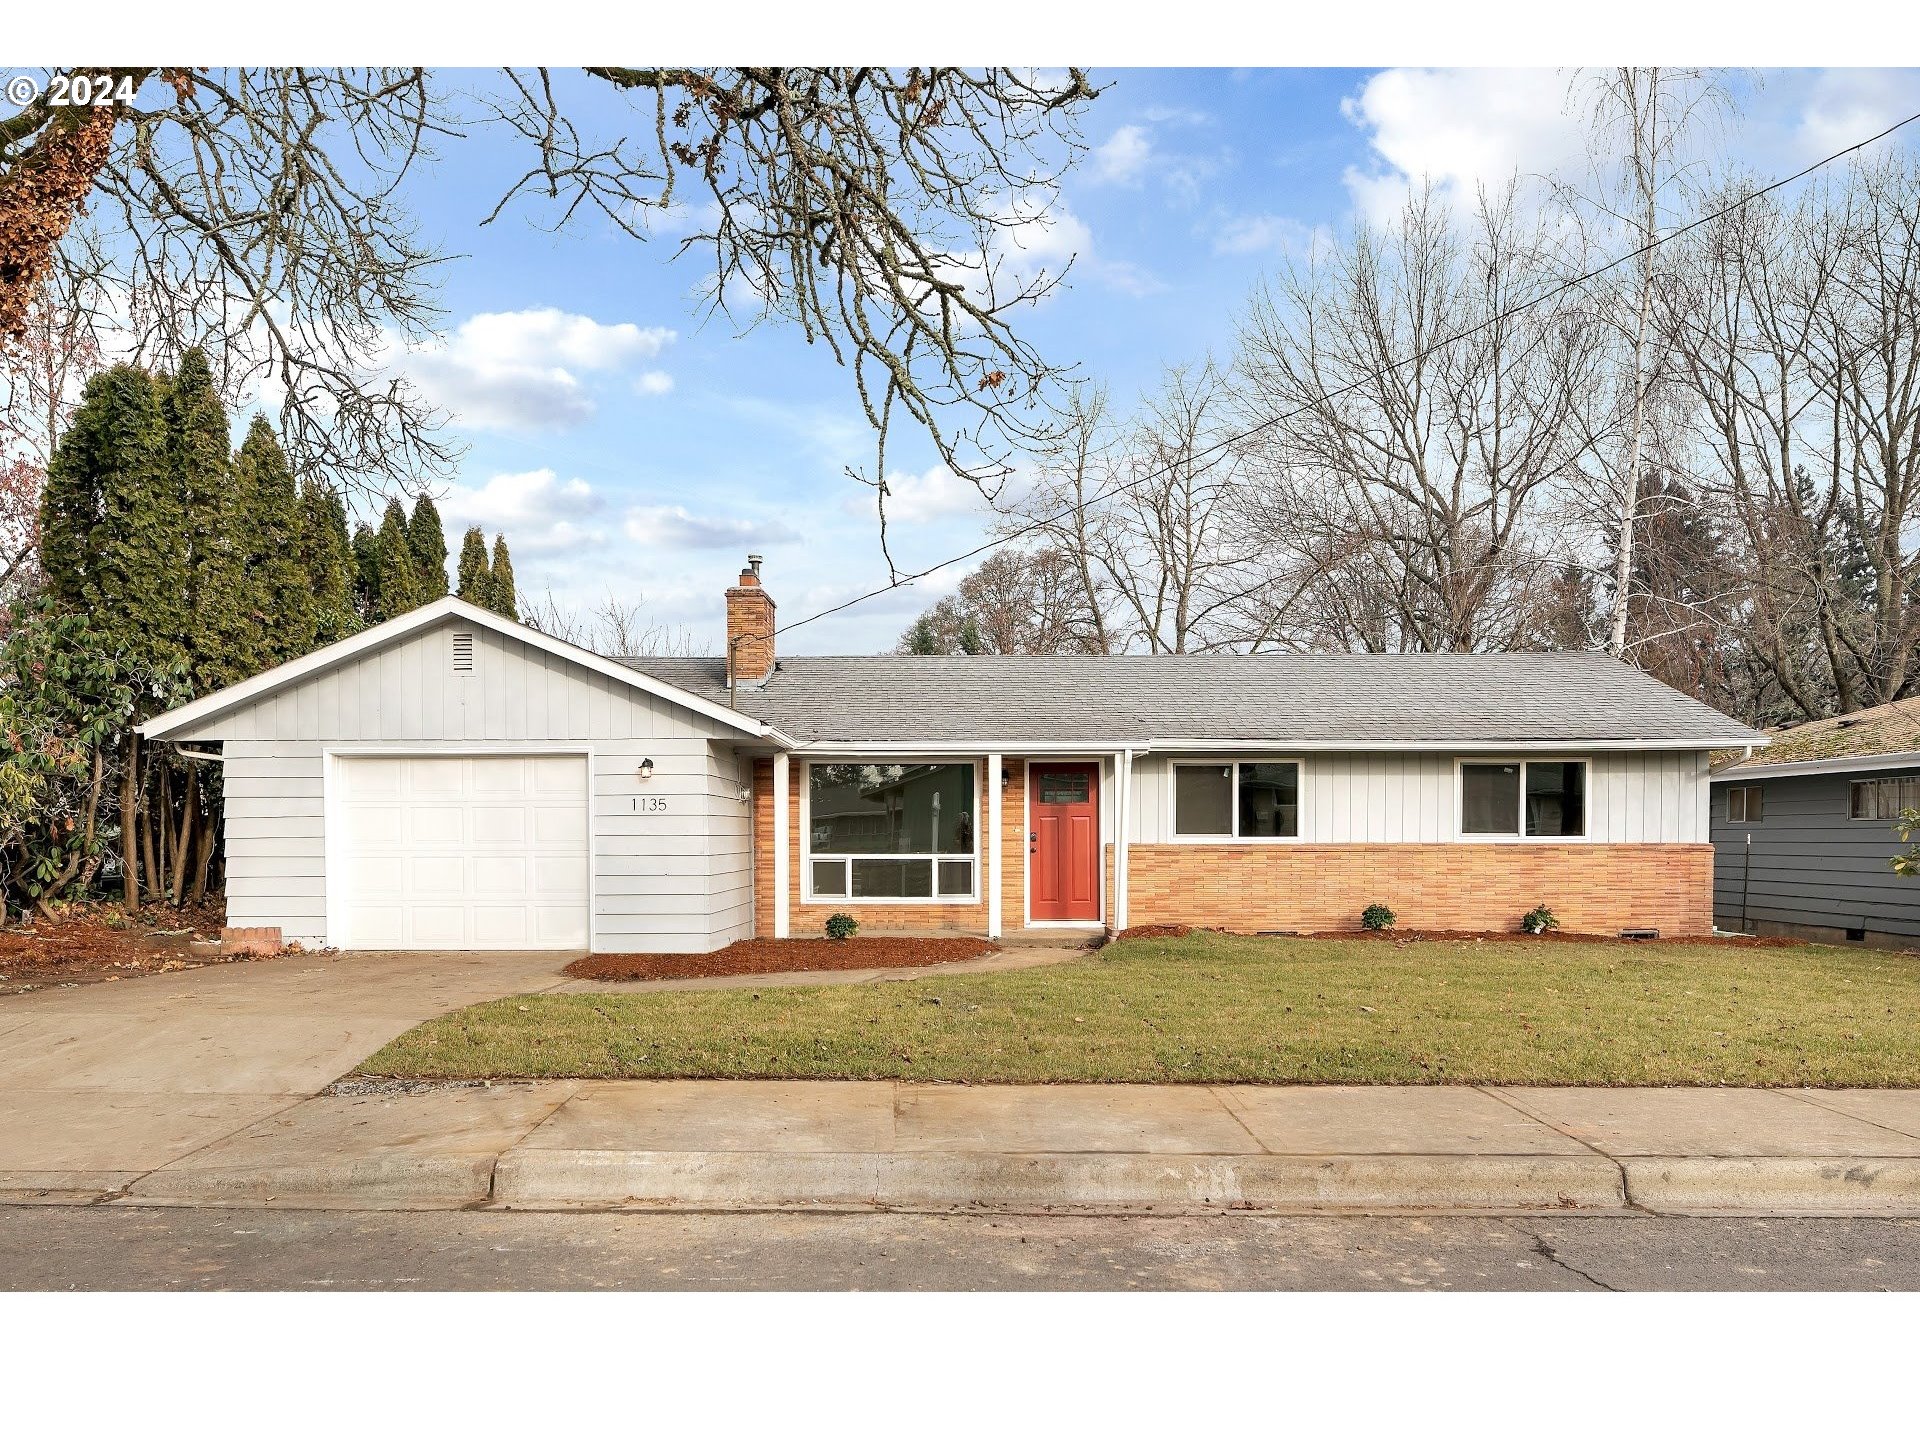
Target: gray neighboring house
1803	831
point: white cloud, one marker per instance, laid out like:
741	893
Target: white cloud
1461	129
677	527
536	510
1251	234
522	369
916	498
1846	106
654	382
1122	159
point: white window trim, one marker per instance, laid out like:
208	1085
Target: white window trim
807	857
1462	834
1174	766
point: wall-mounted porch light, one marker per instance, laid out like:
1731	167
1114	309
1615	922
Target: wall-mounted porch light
646	769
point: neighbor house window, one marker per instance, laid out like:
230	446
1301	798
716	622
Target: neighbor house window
1885	799
891	832
1237	800
1745	804
1546	797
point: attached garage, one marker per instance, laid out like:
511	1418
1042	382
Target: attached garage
450	780
461	852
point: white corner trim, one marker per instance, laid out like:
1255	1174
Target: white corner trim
782	856
449	607
995	793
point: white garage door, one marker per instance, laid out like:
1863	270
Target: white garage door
474	852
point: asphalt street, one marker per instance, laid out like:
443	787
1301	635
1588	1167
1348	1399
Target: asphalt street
52	1247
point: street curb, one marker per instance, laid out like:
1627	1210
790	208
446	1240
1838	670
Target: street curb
1775	1185
62	1187
535	1179
373	1183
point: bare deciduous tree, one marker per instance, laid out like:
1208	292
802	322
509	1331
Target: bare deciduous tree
261	214
1409	429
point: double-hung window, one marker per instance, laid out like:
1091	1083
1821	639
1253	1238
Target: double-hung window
1537	799
1237	800
892	832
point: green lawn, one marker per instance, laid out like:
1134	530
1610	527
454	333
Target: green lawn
1220	1008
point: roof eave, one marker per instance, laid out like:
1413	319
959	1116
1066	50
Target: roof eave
269	682
1838	765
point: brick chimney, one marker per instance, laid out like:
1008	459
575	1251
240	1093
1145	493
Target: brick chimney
749	628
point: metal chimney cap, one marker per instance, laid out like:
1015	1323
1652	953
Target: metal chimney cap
753	562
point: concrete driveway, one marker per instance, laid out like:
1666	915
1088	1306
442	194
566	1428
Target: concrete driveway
105	1082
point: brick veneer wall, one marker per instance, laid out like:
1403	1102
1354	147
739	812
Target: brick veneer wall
811	919
1597	889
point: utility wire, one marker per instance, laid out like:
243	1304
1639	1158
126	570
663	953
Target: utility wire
1221	445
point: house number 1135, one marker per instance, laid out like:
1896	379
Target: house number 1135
650	804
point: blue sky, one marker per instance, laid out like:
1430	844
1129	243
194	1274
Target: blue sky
628	448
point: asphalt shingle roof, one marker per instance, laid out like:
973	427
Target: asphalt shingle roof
1892	729
1340	699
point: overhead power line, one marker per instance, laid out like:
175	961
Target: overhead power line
1219	447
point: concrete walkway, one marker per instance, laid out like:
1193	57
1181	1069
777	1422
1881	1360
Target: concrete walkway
880	1145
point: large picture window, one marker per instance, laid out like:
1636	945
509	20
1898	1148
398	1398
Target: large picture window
1548	797
1237	800
891	832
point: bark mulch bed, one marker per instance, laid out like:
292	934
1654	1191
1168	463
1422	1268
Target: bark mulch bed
85	945
1414	937
773	957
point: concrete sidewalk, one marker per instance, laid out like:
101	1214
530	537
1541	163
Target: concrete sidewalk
883	1145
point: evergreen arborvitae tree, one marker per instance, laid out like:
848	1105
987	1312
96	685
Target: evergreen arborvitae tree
366	572
429	541
398	576
505	600
326	555
282	592
476	576
224	640
112	525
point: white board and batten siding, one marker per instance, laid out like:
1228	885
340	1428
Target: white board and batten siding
671	857
1413	797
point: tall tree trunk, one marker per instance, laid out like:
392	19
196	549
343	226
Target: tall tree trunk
183	843
209	830
151	852
130	823
1644	169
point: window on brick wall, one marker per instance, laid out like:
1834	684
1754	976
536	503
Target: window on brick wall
892	832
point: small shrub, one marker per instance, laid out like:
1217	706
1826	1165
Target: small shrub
1377	917
1539	920
841	925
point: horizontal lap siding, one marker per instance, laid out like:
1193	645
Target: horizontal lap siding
673	881
1811	865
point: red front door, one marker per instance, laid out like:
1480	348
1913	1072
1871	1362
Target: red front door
1063	845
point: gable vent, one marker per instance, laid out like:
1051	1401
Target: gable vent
462	652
